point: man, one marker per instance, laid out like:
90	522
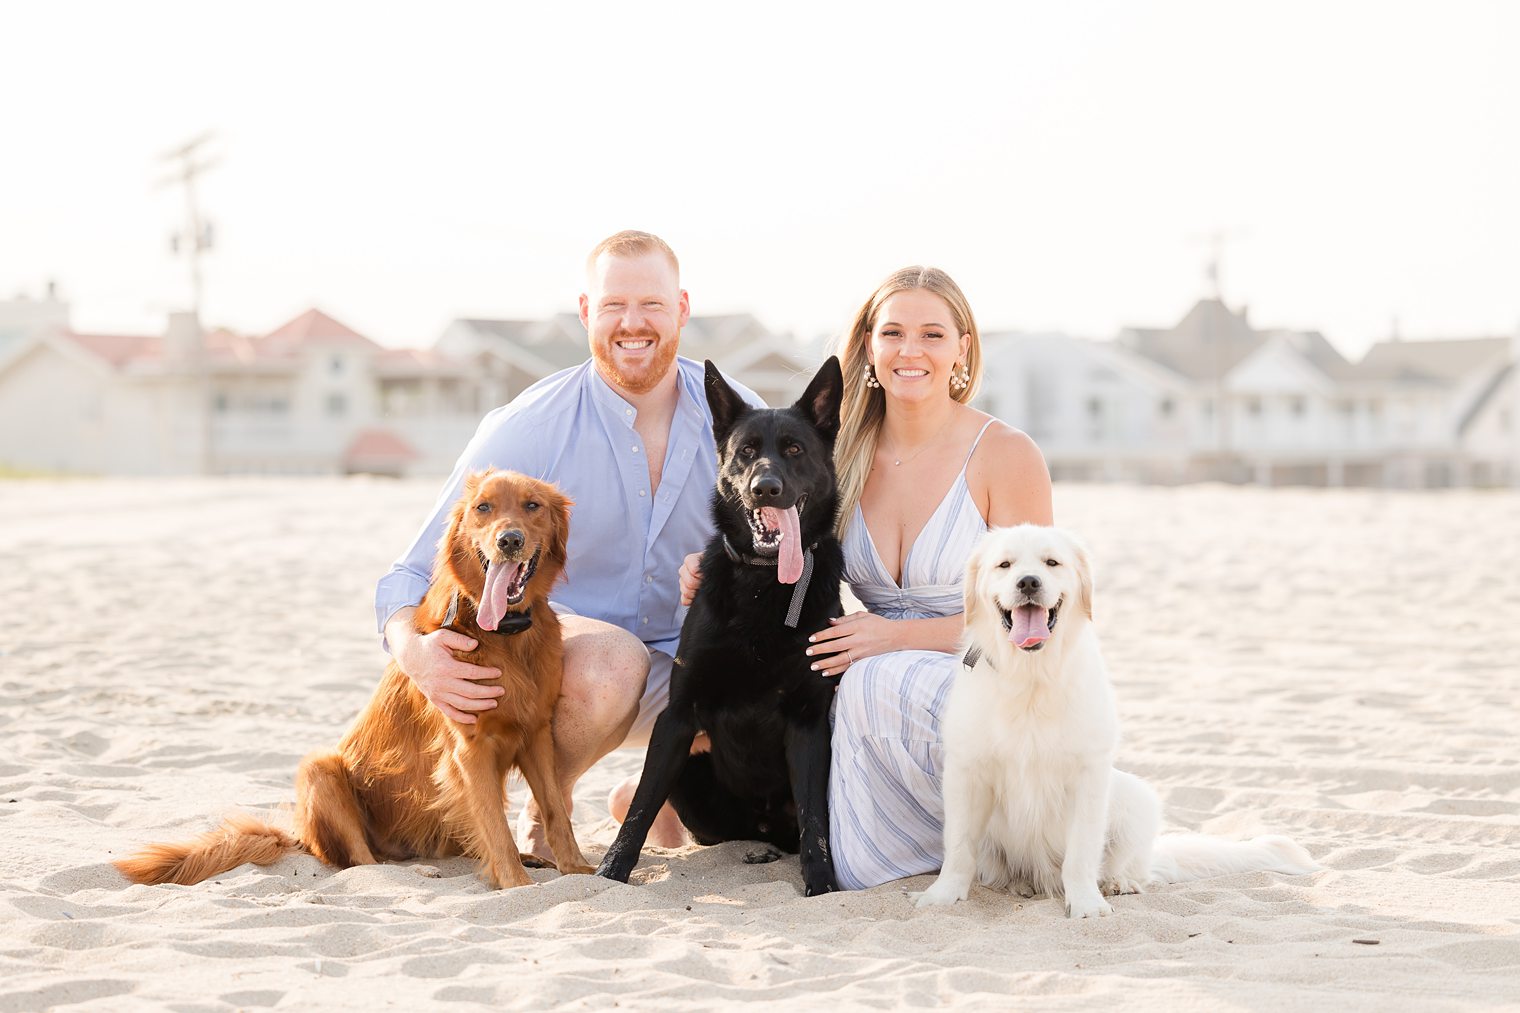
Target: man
628	436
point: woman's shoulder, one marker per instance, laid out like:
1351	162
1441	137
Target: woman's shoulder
1007	474
1001	444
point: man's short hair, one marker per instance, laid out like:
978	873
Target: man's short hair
631	243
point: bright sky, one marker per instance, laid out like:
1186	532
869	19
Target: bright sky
401	166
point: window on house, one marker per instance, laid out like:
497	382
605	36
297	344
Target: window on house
219	404
1167	407
337	404
1296	405
335	364
1253	405
1094	408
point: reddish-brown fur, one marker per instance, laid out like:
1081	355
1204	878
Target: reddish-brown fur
406	781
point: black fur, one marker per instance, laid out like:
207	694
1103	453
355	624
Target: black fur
740	673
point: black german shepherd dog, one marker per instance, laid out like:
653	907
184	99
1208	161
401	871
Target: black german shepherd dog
770	577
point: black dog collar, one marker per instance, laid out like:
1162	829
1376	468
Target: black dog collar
799	590
512	622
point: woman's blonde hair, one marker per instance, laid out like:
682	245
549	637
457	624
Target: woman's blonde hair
864	407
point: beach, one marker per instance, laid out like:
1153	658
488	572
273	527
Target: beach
1341	666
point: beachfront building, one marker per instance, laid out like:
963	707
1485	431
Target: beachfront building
1214	398
312	396
1098	411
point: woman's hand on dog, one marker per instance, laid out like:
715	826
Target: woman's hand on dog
691	577
448	683
850	639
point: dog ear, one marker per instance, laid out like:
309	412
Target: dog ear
559	544
971	589
455	555
727	406
820	402
1084	575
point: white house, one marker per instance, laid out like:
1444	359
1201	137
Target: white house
1097	410
312	396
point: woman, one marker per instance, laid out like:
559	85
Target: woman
922	476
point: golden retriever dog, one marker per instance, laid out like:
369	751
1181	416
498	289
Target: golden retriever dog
1032	800
407	782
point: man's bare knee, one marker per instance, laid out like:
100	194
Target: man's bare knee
605	671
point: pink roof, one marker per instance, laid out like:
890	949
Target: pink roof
379	444
119	349
314	326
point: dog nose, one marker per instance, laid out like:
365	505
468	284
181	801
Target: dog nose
510	541
765	487
1029	584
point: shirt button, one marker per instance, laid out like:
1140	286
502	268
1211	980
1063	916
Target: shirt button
645	620
634	448
642	492
648	578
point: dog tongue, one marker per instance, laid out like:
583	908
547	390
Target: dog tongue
493	600
1029	626
789	554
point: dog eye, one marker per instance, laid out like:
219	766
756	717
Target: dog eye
1052	562
484	508
1005	564
747	452
531	505
793	449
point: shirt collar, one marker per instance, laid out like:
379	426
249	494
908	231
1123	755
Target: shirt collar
691	398
611	403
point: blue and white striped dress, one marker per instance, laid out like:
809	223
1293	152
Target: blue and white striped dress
886	809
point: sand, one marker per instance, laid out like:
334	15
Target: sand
1339	666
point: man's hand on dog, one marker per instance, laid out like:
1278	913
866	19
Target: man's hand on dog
849	639
448	683
691	577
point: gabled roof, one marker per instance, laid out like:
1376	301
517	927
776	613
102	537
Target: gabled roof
1489	392
1320	353
1430	362
314	327
1205	344
118	350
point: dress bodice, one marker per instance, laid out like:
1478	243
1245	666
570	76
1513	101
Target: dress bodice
935	566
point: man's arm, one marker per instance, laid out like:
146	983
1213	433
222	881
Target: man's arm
428	659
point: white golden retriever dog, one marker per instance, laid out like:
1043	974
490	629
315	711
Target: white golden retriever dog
1032	800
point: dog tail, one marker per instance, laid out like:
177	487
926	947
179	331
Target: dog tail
1178	858
240	839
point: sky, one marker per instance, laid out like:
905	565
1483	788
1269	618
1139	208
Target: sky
399	167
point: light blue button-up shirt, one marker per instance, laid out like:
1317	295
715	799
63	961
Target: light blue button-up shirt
626	544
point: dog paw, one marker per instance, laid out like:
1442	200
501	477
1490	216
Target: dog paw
534	862
1088	907
941	894
573	869
1121	884
818	889
508	880
762	856
1023	888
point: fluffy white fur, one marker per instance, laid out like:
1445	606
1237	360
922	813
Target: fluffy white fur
1032	800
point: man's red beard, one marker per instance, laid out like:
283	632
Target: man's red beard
639	379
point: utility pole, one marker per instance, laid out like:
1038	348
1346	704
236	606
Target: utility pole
1215	290
196	238
187	164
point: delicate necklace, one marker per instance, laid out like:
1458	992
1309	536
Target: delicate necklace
897	459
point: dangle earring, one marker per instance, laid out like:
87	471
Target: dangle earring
871	381
960	376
